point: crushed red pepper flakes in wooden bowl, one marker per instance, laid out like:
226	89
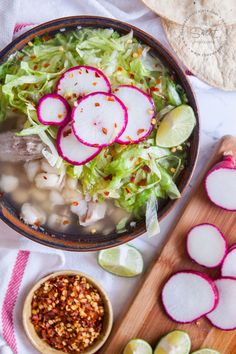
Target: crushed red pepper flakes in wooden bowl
67	312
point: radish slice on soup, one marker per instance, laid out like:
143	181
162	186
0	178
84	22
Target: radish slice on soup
53	109
228	268
73	151
224	315
80	81
220	184
141	111
206	245
188	295
99	119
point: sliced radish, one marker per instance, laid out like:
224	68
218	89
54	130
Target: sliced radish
141	111
53	109
228	268
80	81
220	184
71	150
188	295
206	245
224	315
99	119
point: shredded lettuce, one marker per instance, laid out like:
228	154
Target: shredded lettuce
133	176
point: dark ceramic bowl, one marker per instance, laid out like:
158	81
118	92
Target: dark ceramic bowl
90	242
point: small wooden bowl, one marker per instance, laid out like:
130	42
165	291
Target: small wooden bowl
42	346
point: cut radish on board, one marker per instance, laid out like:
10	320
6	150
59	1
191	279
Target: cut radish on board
71	150
141	111
99	119
220	184
80	81
188	295
206	245
224	315
228	268
53	109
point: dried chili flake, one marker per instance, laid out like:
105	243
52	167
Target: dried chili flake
107	193
96	104
109	98
140	131
104	130
94	83
96	74
67	133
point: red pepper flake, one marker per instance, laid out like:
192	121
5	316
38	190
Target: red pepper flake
127	190
96	74
119	68
37	223
146	168
74	95
75	203
86	70
108	178
111	99
65	222
107	193
35	67
142	183
94	83
129	138
104	130
115	125
96	104
116	90
158	81
132	179
67	133
45	177
46	65
131	76
137	162
140	131
95	145
154	89
79	72
60	116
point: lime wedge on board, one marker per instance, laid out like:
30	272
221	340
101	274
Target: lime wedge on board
137	346
176	127
175	342
125	261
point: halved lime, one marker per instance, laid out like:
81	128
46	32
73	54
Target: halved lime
125	261
137	346
206	351
176	127
175	342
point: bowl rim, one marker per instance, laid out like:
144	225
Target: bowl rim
93	243
42	346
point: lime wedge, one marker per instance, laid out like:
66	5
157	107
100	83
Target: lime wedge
176	127
206	351
175	342
125	261
138	346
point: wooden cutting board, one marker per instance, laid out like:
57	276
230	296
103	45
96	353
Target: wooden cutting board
144	317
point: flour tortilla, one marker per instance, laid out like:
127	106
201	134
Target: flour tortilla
218	68
178	11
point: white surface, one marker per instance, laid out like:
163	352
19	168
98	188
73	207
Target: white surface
217	114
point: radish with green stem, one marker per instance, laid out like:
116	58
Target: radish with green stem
220	183
53	109
206	245
188	295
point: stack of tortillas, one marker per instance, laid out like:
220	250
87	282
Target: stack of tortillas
203	35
